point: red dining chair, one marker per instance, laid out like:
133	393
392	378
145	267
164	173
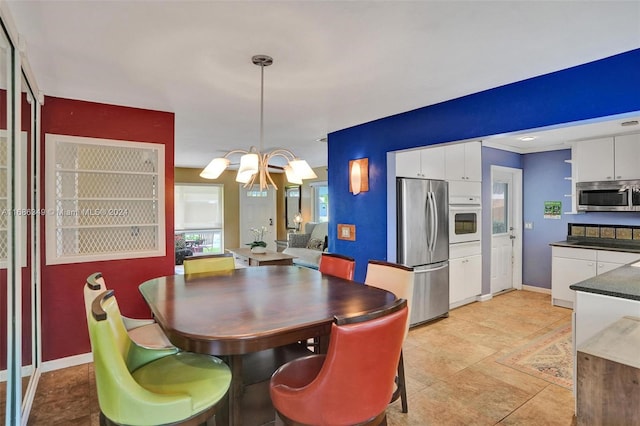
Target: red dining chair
397	279
353	382
337	265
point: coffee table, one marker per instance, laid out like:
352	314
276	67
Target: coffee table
244	256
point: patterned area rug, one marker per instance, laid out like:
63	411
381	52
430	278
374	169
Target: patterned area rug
549	357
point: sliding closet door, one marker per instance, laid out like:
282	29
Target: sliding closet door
10	279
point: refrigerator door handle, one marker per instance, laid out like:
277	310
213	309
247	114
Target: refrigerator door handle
434	219
424	271
427	207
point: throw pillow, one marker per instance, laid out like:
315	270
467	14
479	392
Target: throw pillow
315	244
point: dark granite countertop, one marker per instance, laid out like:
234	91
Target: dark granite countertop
623	282
600	244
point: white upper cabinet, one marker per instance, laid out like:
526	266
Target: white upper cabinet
627	156
432	160
408	164
612	158
463	162
595	160
425	163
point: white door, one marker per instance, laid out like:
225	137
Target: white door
257	210
506	247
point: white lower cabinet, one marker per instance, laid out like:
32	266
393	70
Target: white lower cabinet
465	273
572	265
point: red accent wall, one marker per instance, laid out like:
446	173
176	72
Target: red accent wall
64	326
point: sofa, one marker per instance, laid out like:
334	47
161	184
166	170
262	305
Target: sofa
308	247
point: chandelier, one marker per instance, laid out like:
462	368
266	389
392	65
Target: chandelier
254	164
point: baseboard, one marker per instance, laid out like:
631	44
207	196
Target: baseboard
536	289
485	297
462	302
70	361
27	370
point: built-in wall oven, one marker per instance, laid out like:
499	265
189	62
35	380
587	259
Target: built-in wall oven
465	222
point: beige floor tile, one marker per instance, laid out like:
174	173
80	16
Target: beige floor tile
554	405
450	367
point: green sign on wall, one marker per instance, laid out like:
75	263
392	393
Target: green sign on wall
552	209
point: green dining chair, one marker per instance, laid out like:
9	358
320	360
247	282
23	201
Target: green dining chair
209	263
140	386
145	332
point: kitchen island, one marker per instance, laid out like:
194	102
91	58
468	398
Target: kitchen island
604	299
601	301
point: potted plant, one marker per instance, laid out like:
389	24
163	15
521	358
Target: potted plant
258	245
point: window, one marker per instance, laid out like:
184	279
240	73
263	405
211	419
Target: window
104	199
199	218
320	201
499	207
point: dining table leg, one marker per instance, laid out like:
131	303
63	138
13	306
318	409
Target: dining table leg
323	344
235	390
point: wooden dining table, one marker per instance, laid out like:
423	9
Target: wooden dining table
247	311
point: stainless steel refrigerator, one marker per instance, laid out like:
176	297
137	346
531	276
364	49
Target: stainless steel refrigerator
423	243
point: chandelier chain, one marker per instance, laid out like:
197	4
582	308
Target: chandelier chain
261	106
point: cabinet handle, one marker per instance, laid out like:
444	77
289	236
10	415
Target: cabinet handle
609	177
618	177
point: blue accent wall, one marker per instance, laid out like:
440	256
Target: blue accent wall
544	180
597	89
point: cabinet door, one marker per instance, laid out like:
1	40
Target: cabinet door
465	278
617	257
408	164
595	160
432	162
607	266
566	271
627	157
454	159
473	271
456	279
473	161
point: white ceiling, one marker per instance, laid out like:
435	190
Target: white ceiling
336	64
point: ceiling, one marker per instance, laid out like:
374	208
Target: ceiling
336	63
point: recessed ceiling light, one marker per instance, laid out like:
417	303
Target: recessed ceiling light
630	123
527	138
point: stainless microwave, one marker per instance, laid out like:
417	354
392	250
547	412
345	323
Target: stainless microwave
608	196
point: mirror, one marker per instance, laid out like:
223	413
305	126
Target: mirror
19	249
7	388
293	205
30	251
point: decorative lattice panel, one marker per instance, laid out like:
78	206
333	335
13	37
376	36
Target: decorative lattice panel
105	199
92	241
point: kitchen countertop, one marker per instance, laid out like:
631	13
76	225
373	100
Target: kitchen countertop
630	247
623	282
618	342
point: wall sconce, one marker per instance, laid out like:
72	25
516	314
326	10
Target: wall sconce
359	176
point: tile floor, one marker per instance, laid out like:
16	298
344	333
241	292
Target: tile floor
452	375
